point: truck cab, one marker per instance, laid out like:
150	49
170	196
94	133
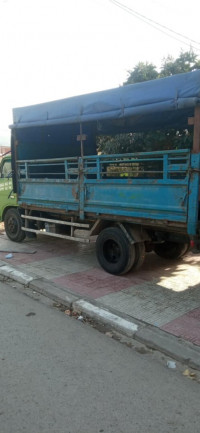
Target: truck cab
8	201
7	198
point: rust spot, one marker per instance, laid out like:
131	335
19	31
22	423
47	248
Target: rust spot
75	192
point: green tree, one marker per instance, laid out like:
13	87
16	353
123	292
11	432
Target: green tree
120	143
186	62
153	140
142	72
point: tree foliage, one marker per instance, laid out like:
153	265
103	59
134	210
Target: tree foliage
145	142
153	140
142	72
186	62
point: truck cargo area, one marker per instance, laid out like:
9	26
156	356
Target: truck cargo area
128	204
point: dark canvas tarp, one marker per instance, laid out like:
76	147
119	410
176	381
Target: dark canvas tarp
136	104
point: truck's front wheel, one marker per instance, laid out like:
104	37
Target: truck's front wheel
13	224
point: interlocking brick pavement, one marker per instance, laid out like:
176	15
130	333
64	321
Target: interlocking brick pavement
162	293
186	326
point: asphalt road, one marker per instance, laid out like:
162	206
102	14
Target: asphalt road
59	375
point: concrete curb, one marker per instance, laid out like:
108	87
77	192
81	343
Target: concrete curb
20	277
106	317
179	349
151	336
50	290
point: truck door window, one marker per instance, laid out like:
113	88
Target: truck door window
6	169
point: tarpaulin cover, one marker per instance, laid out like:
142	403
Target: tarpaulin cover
138	103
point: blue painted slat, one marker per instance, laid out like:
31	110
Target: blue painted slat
193	194
88	185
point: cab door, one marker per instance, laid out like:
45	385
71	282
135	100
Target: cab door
7	198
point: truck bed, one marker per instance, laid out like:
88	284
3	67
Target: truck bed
155	188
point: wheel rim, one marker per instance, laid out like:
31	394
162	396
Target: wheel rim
12	225
112	251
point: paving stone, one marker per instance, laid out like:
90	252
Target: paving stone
55	267
93	282
186	326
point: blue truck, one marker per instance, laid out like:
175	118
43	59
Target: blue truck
128	204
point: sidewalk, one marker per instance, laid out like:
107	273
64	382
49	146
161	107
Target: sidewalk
162	296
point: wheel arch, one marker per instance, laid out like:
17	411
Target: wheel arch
7	208
136	232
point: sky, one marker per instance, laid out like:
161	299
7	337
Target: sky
54	49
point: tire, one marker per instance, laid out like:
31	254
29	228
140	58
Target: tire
140	251
187	249
114	252
136	257
13	224
171	250
139	256
131	261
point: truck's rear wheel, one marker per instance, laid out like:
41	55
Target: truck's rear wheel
187	248
139	251
114	251
171	250
13	224
116	254
139	255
